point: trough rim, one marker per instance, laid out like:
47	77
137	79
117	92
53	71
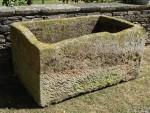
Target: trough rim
42	46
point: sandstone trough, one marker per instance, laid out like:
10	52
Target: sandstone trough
58	59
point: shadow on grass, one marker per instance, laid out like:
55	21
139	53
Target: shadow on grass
12	92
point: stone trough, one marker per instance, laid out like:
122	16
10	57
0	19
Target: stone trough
62	58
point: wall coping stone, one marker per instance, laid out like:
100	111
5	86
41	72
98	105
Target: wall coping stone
68	8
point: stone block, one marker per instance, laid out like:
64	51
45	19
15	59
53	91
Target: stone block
134	12
119	13
4	29
58	59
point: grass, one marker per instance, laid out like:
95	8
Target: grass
128	97
46	1
40	2
60	1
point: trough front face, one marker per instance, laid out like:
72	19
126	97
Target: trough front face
59	59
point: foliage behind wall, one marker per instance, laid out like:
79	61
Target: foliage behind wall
28	2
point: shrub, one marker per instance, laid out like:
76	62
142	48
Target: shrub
14	2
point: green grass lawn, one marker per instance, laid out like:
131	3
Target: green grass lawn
46	1
59	1
40	2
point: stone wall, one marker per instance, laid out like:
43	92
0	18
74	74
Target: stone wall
138	14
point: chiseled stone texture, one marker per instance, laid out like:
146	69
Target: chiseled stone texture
61	58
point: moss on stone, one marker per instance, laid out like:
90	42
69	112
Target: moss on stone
75	61
52	31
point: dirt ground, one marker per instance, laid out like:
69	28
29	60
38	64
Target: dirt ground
127	97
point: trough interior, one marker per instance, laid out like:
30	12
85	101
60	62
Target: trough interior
52	31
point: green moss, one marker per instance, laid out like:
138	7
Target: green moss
100	80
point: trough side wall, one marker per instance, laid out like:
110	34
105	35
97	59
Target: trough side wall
26	60
137	14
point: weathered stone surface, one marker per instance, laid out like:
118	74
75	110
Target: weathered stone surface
14	18
59	8
2	39
57	16
7	11
4	29
24	10
134	12
119	13
9	15
61	58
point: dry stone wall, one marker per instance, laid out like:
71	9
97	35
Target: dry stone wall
138	14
